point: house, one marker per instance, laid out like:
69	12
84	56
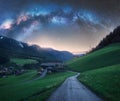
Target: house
5	71
53	66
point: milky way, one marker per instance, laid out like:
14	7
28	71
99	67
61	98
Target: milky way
73	25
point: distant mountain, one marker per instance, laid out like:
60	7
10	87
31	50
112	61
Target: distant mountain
113	37
60	55
78	55
12	48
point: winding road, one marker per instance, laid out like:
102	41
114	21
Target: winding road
73	90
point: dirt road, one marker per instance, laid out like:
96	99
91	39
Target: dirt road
73	90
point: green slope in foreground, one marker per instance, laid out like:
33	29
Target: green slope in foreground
104	81
25	88
107	56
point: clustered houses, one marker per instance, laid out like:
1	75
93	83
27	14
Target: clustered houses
5	71
51	67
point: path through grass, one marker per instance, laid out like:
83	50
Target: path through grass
105	81
16	88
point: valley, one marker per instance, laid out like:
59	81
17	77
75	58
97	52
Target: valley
31	73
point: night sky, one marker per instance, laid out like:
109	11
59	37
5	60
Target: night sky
72	25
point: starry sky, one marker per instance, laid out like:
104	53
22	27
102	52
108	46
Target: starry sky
72	25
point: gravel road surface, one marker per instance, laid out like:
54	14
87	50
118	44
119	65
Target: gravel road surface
73	90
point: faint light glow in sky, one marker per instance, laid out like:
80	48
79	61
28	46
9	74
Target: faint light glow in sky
26	32
88	16
59	20
21	18
7	24
72	25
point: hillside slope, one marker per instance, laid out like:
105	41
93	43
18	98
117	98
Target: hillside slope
13	48
104	81
113	37
107	56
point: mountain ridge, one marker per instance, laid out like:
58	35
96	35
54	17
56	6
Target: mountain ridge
13	48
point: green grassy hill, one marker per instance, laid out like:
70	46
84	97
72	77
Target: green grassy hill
104	81
25	88
100	71
107	56
20	61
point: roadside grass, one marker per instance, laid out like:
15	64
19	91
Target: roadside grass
104	81
20	61
42	96
11	80
107	56
18	88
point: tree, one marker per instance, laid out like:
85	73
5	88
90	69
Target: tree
3	60
113	37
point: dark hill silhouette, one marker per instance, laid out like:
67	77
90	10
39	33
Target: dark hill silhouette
113	37
12	48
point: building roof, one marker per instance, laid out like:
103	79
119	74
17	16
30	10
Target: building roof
51	64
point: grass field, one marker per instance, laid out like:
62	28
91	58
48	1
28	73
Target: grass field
22	62
100	71
26	88
104	81
107	56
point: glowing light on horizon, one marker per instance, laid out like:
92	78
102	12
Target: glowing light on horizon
47	42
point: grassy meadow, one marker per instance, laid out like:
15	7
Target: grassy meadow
104	81
107	56
100	71
25	87
20	61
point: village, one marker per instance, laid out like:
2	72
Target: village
47	68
